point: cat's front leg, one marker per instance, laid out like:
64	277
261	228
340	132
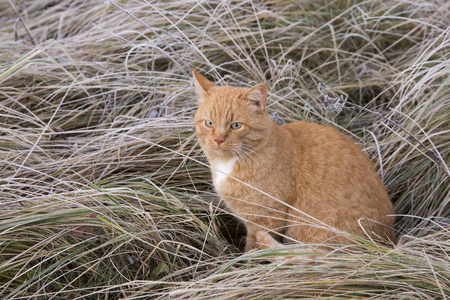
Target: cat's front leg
264	220
251	237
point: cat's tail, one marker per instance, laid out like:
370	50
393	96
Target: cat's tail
299	255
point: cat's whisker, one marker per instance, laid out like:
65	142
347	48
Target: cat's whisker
253	156
237	152
245	158
234	152
206	149
250	148
249	160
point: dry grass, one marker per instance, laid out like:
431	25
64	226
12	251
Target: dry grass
105	193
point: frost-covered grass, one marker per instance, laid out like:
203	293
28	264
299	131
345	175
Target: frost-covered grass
105	193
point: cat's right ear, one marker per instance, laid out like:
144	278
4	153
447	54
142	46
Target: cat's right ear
202	84
257	95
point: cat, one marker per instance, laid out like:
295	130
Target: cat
294	183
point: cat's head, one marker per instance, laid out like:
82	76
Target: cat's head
230	121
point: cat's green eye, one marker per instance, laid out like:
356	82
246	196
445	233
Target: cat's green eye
209	124
236	125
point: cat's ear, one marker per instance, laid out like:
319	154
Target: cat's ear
257	95
202	84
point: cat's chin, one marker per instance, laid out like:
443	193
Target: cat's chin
221	153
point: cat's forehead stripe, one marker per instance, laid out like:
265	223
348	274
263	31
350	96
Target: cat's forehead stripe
224	104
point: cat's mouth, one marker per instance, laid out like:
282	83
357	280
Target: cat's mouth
222	150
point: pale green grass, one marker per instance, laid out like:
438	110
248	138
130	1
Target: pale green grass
105	193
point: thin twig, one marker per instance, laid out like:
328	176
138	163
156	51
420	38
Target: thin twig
13	5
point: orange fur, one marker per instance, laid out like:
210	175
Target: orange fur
271	175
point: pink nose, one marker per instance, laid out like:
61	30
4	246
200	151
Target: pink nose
219	140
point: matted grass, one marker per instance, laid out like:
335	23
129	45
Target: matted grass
105	193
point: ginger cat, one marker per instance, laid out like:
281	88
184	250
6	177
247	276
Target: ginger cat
292	183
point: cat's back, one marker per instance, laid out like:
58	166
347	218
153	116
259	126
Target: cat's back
319	142
329	158
312	132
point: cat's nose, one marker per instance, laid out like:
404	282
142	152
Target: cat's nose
219	140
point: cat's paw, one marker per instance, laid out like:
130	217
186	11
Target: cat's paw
265	241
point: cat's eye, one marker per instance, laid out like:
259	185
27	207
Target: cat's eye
209	124
236	125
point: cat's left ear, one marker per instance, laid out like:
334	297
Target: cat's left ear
257	95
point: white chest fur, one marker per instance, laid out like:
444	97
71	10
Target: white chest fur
221	171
